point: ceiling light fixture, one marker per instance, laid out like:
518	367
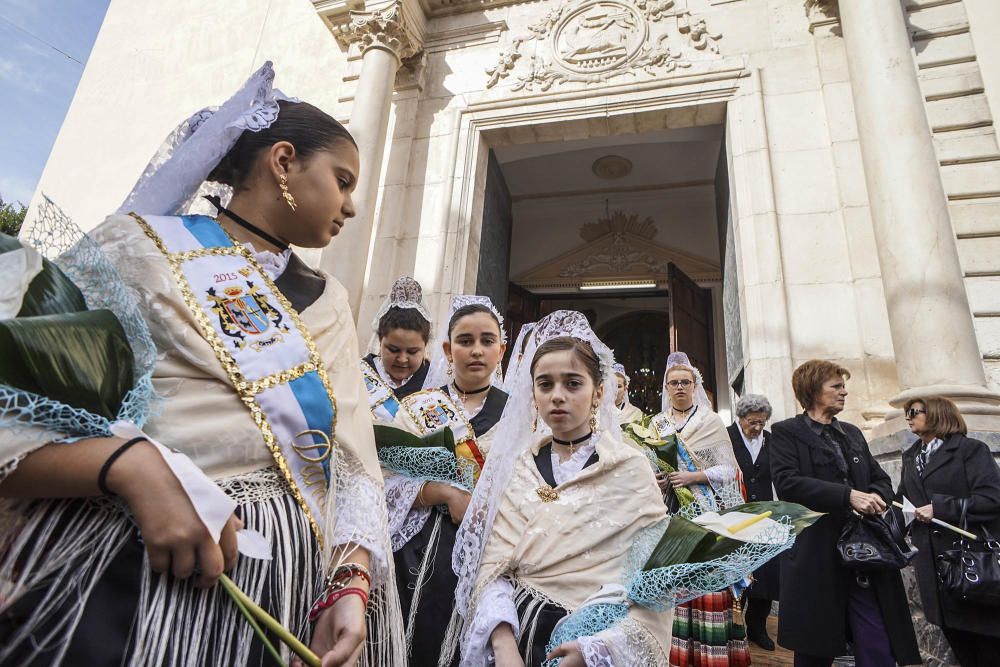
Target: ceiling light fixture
618	285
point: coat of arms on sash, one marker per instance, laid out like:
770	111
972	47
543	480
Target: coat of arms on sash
244	313
436	415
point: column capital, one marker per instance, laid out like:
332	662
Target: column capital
397	26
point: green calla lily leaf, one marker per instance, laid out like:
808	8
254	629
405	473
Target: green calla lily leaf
390	436
687	542
82	359
50	292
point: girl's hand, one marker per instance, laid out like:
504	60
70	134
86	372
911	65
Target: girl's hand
678	479
570	653
339	636
925	514
176	540
458	503
663	481
504	644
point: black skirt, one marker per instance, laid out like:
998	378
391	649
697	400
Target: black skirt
436	599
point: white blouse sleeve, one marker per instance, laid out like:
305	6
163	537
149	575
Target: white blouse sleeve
720	475
496	606
405	519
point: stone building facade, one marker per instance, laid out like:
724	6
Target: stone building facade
761	181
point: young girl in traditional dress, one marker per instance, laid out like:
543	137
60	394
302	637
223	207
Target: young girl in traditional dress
627	413
423	512
554	517
403	328
706	631
257	368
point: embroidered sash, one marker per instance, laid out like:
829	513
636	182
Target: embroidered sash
259	339
381	399
432	410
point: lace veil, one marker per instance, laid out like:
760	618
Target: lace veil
619	369
175	176
514	431
404	293
517	354
437	376
700	396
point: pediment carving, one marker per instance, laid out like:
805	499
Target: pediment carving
595	41
618	247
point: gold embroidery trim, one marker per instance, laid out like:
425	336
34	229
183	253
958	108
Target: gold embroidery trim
244	388
372	374
407	403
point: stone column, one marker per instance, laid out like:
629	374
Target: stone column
385	41
929	315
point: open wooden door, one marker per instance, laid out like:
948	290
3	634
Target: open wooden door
522	307
690	308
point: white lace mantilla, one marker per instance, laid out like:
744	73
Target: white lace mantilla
405	518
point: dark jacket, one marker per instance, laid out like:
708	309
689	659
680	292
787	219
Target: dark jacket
814	583
757	481
960	468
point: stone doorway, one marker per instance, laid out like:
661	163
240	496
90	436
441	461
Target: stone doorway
622	228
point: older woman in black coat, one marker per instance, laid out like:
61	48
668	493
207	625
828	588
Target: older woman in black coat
825	464
940	470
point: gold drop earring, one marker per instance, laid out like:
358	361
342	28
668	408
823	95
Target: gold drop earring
289	199
534	418
593	421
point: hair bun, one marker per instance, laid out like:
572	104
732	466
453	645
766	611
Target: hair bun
224	172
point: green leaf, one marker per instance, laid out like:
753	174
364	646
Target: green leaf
82	359
390	436
799	516
687	542
50	292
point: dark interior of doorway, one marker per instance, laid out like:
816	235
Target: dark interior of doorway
641	338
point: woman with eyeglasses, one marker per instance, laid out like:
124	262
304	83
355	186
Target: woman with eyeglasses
705	630
943	470
825	464
751	446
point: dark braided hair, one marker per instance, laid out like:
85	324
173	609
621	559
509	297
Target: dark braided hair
301	124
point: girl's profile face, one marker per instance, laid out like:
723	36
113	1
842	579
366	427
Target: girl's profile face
475	350
402	353
564	392
322	185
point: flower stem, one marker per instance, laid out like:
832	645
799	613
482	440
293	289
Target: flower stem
290	640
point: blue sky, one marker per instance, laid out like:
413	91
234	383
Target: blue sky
37	82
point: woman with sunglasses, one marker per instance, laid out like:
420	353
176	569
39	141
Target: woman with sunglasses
943	470
705	629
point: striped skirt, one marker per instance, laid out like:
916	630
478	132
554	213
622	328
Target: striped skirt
709	633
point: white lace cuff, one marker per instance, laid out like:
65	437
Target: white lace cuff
595	651
405	520
721	475
496	606
359	503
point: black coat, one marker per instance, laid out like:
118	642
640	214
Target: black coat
960	468
757	481
814	583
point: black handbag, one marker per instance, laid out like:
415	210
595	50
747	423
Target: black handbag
971	570
868	543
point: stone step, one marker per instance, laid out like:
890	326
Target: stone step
959	113
944	50
974	218
951	80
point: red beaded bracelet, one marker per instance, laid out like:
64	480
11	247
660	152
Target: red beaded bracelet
330	599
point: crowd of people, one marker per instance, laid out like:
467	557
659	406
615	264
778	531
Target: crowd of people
384	554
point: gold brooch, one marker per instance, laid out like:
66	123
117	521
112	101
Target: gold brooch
547	493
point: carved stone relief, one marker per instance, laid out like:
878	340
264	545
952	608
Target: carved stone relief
595	41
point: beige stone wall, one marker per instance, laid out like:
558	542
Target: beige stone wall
810	282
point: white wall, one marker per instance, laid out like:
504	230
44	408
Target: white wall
154	63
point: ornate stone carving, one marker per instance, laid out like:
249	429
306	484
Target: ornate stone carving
697	32
594	41
384	29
